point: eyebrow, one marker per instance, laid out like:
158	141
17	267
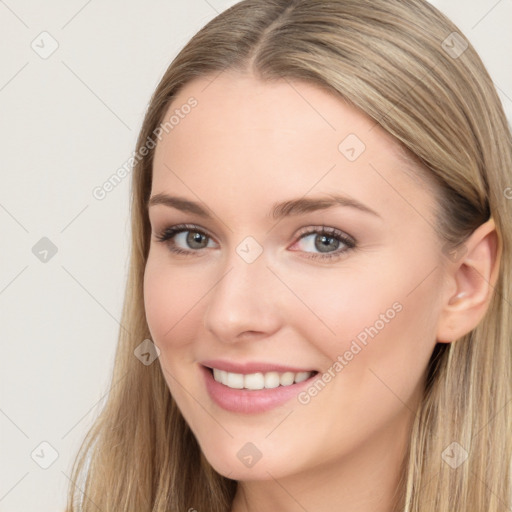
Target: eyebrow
279	210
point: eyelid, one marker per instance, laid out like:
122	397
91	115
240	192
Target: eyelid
180	228
305	230
325	229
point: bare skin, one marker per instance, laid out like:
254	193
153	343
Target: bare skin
246	146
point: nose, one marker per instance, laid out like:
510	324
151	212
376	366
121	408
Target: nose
243	303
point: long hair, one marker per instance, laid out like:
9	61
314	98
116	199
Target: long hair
410	69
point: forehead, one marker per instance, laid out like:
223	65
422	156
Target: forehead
277	140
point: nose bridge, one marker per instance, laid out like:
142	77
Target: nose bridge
243	299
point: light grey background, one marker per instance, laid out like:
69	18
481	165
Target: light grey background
68	121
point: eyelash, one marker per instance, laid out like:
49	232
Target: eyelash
166	235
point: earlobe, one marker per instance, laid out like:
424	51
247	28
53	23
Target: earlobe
473	278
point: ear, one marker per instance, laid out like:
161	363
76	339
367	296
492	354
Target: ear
470	283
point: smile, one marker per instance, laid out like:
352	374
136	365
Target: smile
253	391
255	381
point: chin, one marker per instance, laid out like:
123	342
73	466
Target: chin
247	462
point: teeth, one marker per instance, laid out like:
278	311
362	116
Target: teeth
254	381
235	380
287	379
259	380
272	380
299	377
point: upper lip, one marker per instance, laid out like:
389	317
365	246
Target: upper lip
252	367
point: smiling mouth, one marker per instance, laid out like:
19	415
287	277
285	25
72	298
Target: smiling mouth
259	380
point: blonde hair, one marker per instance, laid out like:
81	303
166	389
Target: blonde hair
395	61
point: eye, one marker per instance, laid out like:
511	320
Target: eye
186	235
327	242
188	240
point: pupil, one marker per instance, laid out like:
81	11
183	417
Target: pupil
194	238
323	243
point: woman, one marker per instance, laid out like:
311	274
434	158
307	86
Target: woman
262	370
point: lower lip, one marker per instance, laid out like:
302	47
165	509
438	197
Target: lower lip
250	401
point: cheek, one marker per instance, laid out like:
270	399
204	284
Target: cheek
375	363
377	330
169	298
338	307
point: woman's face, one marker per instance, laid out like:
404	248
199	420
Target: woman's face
348	289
